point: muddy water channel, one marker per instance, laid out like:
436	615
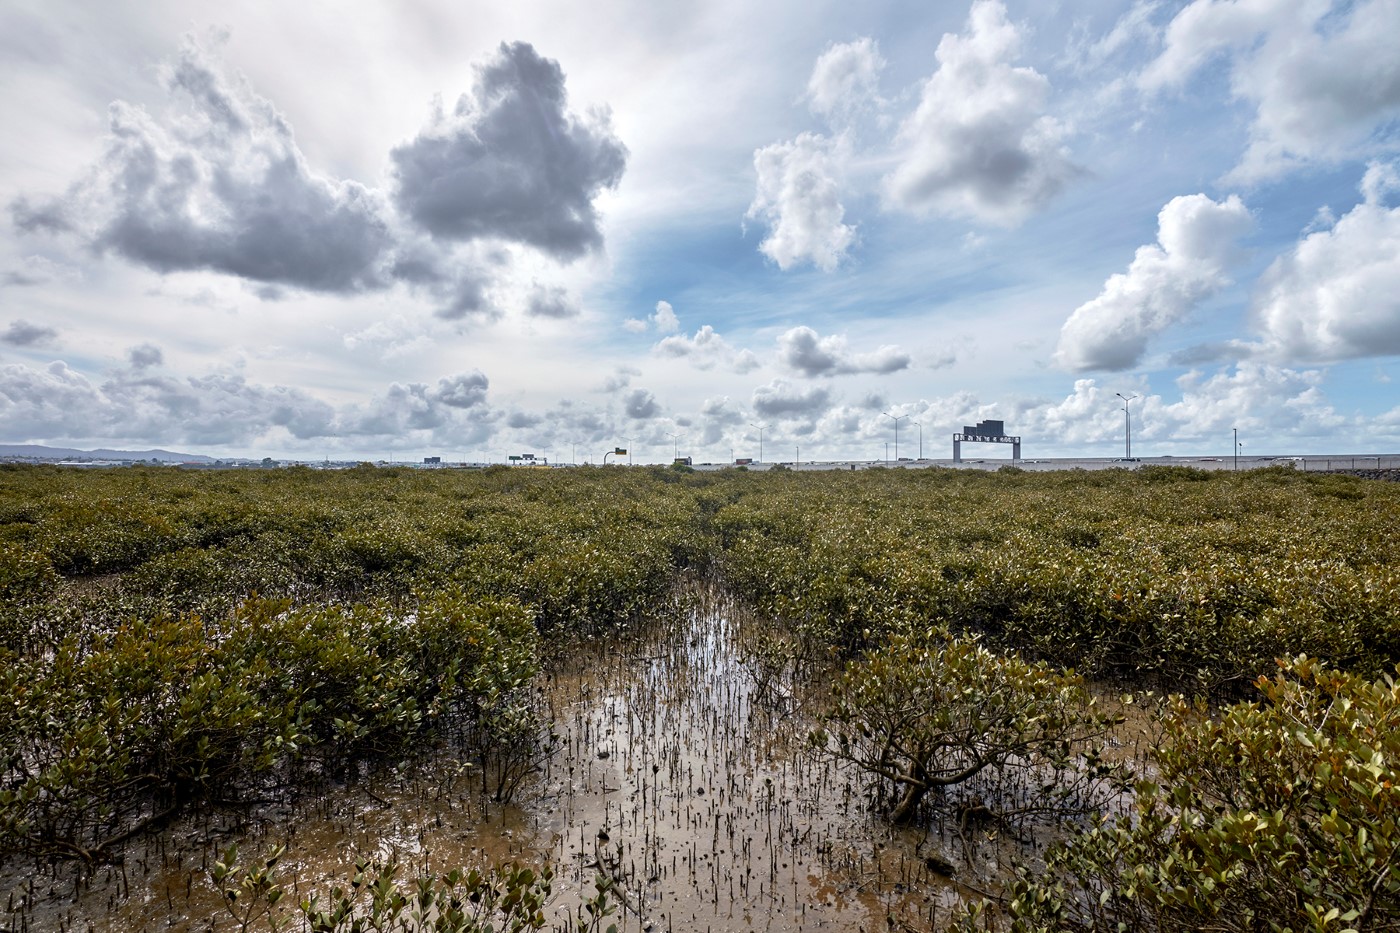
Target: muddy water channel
682	773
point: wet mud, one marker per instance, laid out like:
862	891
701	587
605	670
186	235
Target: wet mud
683	774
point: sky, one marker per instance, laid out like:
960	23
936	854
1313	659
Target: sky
393	230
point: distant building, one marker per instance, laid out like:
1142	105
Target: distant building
432	461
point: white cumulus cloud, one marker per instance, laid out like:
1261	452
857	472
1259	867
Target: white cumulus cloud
1253	397
1321	76
1336	295
706	350
806	352
845	79
1196	245
663	320
798	195
980	145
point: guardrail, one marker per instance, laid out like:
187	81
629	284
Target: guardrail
1332	464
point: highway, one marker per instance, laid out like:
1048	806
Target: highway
1310	462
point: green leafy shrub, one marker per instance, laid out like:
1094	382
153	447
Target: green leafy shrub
932	712
1278	814
509	897
114	731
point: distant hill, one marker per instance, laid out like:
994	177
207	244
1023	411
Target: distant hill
40	452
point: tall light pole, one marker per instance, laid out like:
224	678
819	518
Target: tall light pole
760	438
630	441
675	445
921	438
1236	452
1127	426
896	431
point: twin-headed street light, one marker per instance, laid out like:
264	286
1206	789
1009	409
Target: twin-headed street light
896	432
1127	426
760	428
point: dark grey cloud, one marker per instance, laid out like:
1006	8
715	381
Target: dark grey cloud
218	183
463	298
620	378
780	399
805	352
457	284
401	408
144	356
215	181
464	390
523	419
511	161
135	404
21	333
49	215
56	402
873	401
551	301
579	423
718	415
641	404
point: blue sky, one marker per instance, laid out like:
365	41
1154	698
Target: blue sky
472	229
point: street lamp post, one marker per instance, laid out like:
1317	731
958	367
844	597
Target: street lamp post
1127	426
896	431
631	441
675	445
921	438
760	438
1236	453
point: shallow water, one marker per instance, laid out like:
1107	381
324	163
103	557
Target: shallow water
682	774
715	814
